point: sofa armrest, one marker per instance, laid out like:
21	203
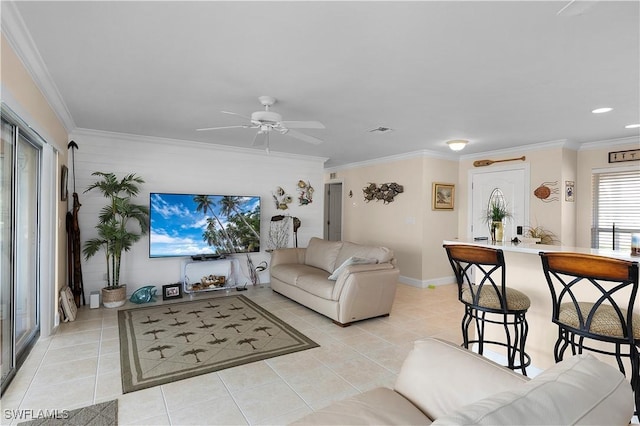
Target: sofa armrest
287	256
439	377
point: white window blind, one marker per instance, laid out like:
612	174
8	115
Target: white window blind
616	209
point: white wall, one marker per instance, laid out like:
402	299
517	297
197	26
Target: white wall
187	167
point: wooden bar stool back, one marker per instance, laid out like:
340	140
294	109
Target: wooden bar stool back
481	276
593	299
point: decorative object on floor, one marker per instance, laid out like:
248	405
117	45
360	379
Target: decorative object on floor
620	156
545	190
443	196
144	294
482	163
162	344
172	291
102	414
67	305
385	192
569	191
305	191
282	199
74	255
115	233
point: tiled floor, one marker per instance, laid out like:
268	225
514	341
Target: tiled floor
80	365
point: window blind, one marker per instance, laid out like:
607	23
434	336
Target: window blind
616	202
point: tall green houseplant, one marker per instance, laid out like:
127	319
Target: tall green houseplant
117	221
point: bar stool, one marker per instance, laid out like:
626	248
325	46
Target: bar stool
488	300
593	299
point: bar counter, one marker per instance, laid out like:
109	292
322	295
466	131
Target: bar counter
524	273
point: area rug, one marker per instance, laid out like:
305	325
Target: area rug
103	414
164	343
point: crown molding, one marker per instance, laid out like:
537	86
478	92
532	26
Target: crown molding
398	157
587	146
560	143
17	35
154	140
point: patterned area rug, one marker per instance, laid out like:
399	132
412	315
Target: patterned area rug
165	343
103	414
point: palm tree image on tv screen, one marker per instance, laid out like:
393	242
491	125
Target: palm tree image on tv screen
196	224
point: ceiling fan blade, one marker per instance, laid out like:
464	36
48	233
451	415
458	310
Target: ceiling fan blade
303	125
244	126
235	113
261	138
303	137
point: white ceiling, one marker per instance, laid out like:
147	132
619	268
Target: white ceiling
500	74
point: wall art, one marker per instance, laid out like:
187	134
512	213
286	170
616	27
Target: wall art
385	192
443	196
305	193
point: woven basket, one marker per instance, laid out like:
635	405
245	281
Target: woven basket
114	297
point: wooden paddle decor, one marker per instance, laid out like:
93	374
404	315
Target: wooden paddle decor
482	163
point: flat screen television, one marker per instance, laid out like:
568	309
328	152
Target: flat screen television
203	225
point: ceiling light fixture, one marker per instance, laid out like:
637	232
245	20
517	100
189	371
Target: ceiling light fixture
632	126
457	145
601	110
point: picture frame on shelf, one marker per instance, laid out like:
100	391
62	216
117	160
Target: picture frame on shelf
443	196
172	291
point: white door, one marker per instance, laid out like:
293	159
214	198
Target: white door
513	183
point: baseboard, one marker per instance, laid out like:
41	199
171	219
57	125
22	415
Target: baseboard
532	371
427	283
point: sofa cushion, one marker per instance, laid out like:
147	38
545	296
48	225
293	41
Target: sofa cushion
322	254
435	371
605	397
348	249
353	260
380	406
289	272
315	282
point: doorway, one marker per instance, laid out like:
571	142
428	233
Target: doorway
333	211
512	183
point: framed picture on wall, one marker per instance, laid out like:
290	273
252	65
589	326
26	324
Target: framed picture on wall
443	196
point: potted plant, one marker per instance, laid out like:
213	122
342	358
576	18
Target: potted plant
495	217
116	234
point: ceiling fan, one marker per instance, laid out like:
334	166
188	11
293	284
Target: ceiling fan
267	121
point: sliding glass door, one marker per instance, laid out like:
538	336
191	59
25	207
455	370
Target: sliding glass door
20	167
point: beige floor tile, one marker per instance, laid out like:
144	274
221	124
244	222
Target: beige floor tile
248	375
71	353
359	371
318	384
142	404
193	391
66	371
74	394
108	386
217	411
63	340
270	400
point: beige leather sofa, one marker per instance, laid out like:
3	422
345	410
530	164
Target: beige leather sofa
342	280
441	382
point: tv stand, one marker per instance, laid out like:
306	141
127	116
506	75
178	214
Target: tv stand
196	274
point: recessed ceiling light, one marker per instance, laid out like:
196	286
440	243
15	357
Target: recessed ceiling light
601	110
632	126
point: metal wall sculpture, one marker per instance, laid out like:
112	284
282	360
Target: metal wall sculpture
385	192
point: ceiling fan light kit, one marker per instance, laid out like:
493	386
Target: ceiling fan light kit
457	145
267	120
